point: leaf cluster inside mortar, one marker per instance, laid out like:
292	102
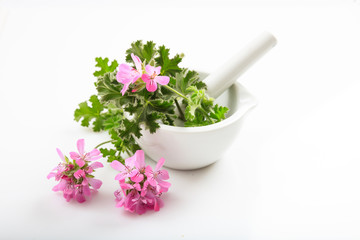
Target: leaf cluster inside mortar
124	116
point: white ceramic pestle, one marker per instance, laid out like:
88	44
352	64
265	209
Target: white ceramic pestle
225	76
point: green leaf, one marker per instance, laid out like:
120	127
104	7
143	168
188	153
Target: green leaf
112	154
103	64
112	121
184	80
144	52
88	113
190	111
219	113
130	127
151	121
109	89
98	124
169	66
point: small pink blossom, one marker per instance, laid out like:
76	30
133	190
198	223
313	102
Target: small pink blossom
128	75
156	178
127	170
82	156
140	186
76	179
151	78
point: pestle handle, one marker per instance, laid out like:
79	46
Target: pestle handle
221	79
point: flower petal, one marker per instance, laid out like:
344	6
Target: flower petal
140	208
136	176
94	158
136	75
159	164
86	191
150	69
68	193
137	186
164	186
158	204
145	188
50	175
80	197
130	162
80	162
95	183
148	171
124	75
120	176
61	186
126	186
157	70
137	62
163	80
163	174
146	78
79	173
125	88
61	155
139	159
75	156
119	198
80	146
117	165
152	181
151	86
93	153
131	200
96	165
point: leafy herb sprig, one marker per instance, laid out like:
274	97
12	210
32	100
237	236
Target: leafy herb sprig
125	115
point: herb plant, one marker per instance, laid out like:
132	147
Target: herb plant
153	89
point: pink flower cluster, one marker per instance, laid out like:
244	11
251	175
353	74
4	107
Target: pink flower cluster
76	179
150	75
140	185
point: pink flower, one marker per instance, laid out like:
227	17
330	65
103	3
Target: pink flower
127	170
156	178
139	166
59	168
154	196
151	78
134	202
140	187
128	75
81	157
119	198
76	179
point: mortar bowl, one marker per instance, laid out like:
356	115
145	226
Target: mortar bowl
187	148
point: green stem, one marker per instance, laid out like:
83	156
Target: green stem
182	116
178	93
187	99
128	152
105	143
206	115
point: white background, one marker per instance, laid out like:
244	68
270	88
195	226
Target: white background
293	171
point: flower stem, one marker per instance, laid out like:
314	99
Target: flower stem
182	116
187	99
180	94
105	143
206	115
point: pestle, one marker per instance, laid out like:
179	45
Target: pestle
221	79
